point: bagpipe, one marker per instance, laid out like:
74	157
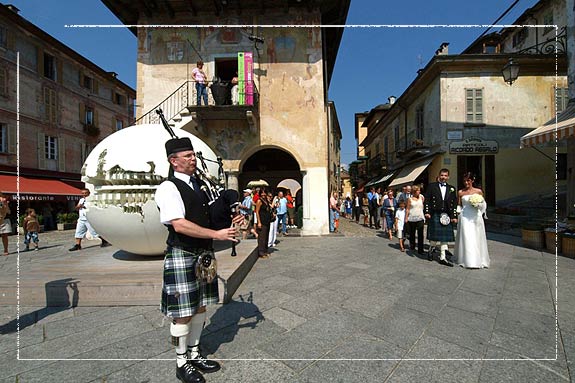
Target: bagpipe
222	203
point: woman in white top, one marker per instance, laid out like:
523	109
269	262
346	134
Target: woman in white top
415	219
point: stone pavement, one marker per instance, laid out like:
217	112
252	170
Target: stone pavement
340	308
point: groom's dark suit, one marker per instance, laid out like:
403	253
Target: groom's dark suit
434	205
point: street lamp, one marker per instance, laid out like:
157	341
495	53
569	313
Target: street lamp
510	71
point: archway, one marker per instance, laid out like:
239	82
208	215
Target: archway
271	165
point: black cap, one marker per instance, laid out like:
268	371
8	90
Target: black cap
176	145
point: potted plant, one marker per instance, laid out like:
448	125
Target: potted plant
66	221
533	236
568	243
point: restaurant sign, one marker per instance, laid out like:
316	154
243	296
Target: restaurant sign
44	197
473	145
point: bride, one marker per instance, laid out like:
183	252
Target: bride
471	242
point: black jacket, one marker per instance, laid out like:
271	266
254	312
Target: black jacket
435	204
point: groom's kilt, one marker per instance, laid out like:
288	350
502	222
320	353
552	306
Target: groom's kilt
182	292
437	232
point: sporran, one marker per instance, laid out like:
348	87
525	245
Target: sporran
206	267
444	219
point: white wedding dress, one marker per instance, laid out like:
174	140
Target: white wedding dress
471	242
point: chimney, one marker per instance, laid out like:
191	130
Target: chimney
113	74
13	8
442	49
391	100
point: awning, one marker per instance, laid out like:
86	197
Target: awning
561	128
410	172
37	189
380	179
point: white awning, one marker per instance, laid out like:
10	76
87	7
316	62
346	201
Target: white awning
378	180
553	129
410	172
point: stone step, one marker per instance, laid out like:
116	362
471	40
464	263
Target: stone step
98	276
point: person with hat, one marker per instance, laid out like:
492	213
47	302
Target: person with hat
246	211
440	209
186	289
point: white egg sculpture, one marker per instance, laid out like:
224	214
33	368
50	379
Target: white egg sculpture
122	173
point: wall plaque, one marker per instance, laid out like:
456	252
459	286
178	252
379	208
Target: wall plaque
473	145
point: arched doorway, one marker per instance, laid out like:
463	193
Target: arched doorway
270	165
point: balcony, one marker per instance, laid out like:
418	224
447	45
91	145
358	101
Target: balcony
183	102
415	148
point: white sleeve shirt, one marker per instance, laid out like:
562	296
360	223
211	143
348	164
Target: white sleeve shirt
170	201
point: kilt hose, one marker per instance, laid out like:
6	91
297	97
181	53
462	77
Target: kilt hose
437	232
182	292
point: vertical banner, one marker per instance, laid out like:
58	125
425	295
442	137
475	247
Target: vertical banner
249	69
241	79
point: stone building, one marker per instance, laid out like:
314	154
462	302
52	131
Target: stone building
289	130
67	104
460	114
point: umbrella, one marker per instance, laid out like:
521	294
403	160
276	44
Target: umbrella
257	183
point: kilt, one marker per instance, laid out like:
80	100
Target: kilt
437	232
182	292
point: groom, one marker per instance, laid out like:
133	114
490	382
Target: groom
440	199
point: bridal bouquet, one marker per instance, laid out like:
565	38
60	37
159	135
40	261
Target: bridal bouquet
476	200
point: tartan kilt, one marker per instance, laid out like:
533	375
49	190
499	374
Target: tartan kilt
437	232
182	292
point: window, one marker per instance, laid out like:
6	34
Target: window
396	137
50	106
49	66
3	82
474	106
548	20
419	123
51	147
520	36
561	99
119	99
3	36
89	116
119	124
87	82
386	149
3	138
561	166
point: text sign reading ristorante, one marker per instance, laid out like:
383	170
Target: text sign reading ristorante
473	146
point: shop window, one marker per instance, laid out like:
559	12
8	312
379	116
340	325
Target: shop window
561	166
474	106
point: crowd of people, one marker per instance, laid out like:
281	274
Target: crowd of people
267	215
406	214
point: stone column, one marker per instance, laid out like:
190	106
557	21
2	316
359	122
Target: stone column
232	180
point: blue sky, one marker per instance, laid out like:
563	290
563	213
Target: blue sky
372	63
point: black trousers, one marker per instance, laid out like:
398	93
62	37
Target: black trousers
373	218
412	227
356	212
263	237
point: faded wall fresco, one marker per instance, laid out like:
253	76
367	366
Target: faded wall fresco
288	74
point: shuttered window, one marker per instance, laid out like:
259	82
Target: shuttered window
474	106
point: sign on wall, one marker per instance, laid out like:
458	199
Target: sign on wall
473	145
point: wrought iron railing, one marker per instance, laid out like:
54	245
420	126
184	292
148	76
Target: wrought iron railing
550	46
219	93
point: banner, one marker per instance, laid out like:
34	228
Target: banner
241	79
249	75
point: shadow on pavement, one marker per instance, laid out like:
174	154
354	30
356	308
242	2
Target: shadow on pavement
57	300
225	322
122	255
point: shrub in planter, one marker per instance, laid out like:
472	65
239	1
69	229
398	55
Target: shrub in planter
66	221
568	243
533	236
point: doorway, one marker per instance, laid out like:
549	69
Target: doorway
483	167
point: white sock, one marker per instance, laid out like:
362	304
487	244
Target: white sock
443	249
180	332
196	328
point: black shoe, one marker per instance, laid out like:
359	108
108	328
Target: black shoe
188	374
445	263
105	243
430	254
203	364
75	247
